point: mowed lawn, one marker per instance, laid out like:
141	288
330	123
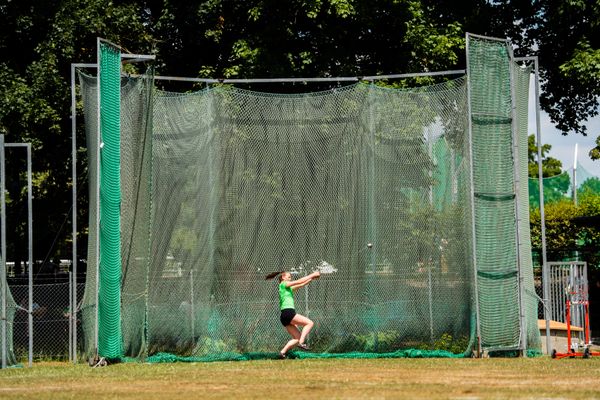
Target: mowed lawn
534	378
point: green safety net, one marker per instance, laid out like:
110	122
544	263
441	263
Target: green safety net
559	187
6	326
109	291
222	186
587	183
521	76
500	195
556	188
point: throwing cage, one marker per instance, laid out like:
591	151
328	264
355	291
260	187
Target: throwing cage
194	197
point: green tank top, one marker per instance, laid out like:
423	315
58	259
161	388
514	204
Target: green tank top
286	297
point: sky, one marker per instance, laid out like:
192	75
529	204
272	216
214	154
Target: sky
563	147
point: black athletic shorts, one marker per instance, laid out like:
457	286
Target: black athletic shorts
287	315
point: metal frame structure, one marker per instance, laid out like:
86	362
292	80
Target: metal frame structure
570	304
3	281
545	268
478	353
140	58
74	308
517	189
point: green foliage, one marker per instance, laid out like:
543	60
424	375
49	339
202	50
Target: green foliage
378	341
566	34
208	346
38	43
589	187
550	166
448	343
562	229
257	38
556	188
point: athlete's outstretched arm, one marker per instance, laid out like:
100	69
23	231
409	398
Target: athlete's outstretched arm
301	284
303	280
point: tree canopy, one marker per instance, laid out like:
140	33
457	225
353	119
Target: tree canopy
259	38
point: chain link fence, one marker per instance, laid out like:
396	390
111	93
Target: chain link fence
51	314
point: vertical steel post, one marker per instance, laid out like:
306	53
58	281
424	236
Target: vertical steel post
517	191
545	274
192	311
73	300
472	185
430	262
3	247
70	316
575	177
97	244
372	218
30	250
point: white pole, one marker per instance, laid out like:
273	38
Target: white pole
192	311
472	187
3	248
545	267
575	176
73	282
30	252
97	243
430	261
517	190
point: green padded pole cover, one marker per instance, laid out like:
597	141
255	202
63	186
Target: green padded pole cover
109	292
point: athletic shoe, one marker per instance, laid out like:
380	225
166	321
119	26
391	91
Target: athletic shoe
282	356
304	346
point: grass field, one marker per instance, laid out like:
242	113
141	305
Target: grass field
537	378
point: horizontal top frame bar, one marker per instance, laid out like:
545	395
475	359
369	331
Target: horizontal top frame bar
133	58
291	80
528	58
300	80
473	35
127	57
17	144
84	65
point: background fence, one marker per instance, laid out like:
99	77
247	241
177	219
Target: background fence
51	313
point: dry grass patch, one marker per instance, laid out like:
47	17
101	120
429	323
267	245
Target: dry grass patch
539	378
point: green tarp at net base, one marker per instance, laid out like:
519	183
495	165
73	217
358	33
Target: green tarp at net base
408	353
222	186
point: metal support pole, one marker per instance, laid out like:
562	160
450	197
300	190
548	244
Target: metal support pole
73	281
30	251
306	293
545	275
430	298
575	177
430	261
3	247
372	217
192	311
97	244
472	182
517	191
73	311
70	316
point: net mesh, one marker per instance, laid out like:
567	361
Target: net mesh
559	187
6	326
224	185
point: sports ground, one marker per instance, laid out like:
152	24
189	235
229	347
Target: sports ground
492	378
